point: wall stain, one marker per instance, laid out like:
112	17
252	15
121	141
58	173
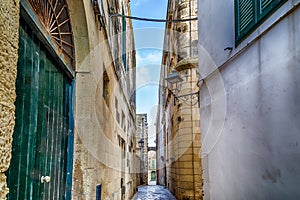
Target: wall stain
272	175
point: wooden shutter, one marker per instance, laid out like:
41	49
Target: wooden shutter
251	13
245	16
266	6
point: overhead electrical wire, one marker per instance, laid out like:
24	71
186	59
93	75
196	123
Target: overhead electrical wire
153	20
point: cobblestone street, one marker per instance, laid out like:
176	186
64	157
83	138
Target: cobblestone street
153	192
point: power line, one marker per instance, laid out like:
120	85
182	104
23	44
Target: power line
154	20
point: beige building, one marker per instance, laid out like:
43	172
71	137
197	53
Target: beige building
142	146
67	100
178	119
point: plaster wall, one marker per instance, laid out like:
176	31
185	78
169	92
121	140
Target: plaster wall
255	152
9	38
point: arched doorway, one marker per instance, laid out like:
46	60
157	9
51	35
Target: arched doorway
42	139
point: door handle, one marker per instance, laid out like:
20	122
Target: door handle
45	179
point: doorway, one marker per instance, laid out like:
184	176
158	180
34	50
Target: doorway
38	168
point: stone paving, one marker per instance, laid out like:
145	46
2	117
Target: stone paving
153	192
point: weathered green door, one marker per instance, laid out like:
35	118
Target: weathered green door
153	176
40	140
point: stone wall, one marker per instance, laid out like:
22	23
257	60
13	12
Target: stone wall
179	162
142	135
183	141
9	37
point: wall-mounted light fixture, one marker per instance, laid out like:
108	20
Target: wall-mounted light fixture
175	78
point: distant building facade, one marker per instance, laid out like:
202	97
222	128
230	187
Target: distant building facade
67	100
178	120
151	166
249	62
142	146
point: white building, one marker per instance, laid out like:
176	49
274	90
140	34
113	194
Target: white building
249	57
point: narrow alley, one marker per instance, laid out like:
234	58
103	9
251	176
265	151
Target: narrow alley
149	99
153	192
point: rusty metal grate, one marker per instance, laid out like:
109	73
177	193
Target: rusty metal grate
54	16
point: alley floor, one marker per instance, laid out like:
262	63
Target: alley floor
153	192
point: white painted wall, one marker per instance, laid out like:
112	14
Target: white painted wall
256	153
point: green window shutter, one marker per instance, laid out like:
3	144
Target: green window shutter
245	17
249	14
266	6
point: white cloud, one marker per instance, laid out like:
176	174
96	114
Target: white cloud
143	76
148	67
153	57
139	2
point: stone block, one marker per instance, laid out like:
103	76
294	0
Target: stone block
197	165
185	130
185	165
185	157
186	185
185	124
185	137
185	144
186	178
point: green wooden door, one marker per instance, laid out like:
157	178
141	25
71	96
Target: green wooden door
153	176
42	122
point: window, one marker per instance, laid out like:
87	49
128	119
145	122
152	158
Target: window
123	122
124	40
105	87
98	192
251	13
153	164
117	112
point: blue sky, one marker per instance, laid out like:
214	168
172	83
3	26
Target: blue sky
149	42
148	9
